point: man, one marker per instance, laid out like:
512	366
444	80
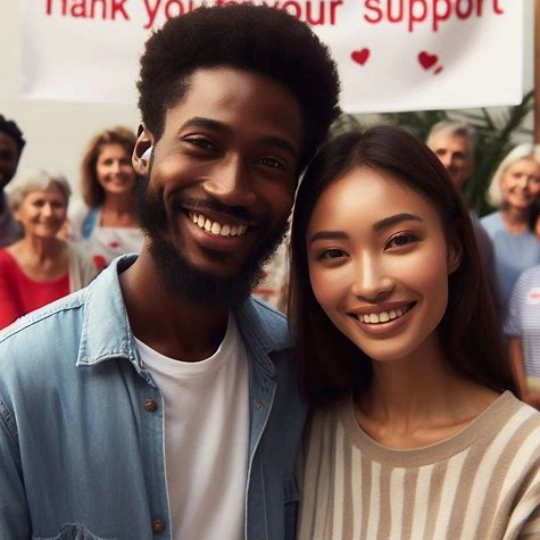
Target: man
159	401
454	143
11	146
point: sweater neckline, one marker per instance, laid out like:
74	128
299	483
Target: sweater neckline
481	430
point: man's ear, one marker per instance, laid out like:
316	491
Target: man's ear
454	256
142	151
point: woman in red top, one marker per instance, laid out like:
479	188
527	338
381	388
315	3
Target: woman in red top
41	267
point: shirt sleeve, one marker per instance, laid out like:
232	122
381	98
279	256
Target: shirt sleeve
14	519
513	325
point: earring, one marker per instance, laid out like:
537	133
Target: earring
147	153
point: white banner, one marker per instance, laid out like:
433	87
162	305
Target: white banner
393	55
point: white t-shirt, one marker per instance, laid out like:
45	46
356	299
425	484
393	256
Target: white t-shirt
206	438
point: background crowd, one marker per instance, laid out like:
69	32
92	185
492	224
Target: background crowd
53	245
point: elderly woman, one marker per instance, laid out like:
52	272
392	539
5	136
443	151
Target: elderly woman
513	189
40	267
107	222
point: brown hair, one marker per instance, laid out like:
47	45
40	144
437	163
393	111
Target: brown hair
92	192
329	365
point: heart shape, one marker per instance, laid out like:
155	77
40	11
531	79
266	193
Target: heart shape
427	60
361	56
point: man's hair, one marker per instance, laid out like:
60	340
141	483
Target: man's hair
455	128
259	39
10	128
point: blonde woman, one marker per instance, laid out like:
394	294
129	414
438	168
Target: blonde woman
40	267
513	189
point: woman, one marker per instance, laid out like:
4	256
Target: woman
513	189
523	323
107	223
40	267
415	432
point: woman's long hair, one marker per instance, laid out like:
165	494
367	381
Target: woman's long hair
330	366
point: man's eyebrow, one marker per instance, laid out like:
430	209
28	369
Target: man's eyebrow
270	140
377	227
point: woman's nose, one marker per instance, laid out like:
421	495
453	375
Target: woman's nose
371	280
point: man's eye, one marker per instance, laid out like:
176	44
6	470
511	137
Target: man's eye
272	162
201	142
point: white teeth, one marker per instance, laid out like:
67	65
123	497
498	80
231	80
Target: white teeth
383	316
217	228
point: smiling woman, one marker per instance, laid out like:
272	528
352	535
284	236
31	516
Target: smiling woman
41	267
400	356
513	189
106	221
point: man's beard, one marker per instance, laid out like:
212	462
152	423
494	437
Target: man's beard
183	281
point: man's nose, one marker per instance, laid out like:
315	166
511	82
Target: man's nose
231	182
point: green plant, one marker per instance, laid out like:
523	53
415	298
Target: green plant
497	129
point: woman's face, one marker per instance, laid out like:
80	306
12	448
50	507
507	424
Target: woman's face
43	212
114	170
520	183
379	263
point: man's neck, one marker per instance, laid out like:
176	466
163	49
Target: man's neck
175	328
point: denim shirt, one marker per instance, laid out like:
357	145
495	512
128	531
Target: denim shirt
82	426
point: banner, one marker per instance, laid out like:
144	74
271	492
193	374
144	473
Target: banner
392	55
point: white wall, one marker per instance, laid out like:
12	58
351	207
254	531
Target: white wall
57	133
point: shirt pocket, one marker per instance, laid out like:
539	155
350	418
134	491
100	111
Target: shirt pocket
291	499
73	532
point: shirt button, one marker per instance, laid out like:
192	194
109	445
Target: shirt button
150	405
158	525
258	405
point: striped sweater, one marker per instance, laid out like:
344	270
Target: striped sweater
481	484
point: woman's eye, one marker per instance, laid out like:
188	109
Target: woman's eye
332	253
402	240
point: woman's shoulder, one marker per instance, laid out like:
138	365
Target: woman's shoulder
79	216
492	222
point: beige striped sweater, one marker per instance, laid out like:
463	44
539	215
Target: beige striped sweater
481	484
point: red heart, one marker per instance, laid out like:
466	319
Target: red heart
427	60
360	57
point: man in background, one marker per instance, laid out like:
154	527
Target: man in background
454	143
11	147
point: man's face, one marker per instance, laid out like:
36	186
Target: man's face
219	187
455	154
9	159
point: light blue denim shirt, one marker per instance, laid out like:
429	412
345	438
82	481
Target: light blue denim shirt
81	424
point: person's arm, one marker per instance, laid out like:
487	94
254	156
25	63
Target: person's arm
515	349
10	308
518	364
14	518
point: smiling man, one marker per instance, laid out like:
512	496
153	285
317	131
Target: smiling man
11	147
165	404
